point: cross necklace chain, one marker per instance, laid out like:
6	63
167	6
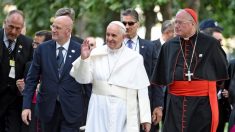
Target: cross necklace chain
189	74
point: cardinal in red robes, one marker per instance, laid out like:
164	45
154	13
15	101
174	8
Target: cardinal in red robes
190	64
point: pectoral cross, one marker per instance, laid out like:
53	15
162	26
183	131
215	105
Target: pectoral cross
189	74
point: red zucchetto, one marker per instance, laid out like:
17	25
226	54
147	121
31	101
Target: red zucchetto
192	13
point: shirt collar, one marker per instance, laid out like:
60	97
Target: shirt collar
133	39
161	40
65	45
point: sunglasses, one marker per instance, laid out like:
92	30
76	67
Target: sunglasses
129	23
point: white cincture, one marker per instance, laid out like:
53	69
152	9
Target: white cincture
129	95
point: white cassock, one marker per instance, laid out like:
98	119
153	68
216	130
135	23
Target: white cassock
119	100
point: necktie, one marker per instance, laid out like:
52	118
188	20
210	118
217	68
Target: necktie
129	43
60	60
10	42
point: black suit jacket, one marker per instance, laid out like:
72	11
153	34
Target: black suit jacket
158	45
148	50
24	51
77	39
230	85
44	66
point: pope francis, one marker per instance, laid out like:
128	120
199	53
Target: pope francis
119	100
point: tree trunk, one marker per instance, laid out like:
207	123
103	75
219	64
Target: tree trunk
166	10
110	16
194	4
150	19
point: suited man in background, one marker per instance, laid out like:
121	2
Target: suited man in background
167	30
147	49
15	51
59	100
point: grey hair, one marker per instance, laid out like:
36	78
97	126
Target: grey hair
131	12
167	24
66	12
15	12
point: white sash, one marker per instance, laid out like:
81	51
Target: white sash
130	95
103	88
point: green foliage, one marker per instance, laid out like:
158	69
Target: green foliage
222	11
95	14
98	14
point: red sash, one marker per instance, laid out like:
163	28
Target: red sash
199	88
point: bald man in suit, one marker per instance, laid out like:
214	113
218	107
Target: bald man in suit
59	100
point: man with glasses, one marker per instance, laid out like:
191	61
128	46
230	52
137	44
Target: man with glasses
15	51
66	11
41	36
190	64
147	49
59	99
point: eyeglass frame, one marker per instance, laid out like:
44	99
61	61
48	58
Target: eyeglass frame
55	27
129	23
181	22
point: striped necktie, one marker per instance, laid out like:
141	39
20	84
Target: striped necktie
10	42
60	60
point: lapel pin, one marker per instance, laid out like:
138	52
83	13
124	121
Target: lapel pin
200	55
142	47
73	51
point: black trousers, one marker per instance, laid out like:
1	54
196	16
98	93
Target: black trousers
58	123
224	114
11	121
